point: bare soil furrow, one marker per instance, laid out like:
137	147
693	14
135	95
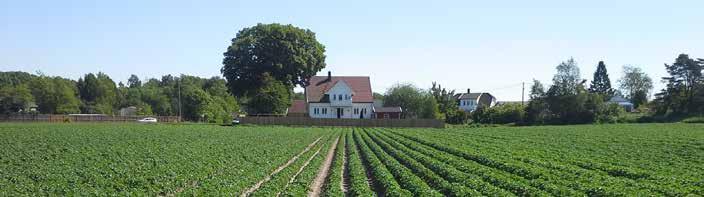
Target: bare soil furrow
317	186
277	170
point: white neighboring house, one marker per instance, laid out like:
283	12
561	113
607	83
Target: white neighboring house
623	102
470	101
339	97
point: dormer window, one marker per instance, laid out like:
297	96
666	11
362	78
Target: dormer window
333	97
339	97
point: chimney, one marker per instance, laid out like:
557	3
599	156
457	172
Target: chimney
468	91
329	76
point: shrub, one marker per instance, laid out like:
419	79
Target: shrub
696	119
501	114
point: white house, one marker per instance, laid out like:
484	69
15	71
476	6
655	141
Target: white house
623	102
339	97
470	101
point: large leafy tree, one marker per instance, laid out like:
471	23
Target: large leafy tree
567	78
15	94
635	85
15	98
683	85
415	102
537	110
55	95
601	83
447	104
288	54
134	82
98	93
273	97
568	101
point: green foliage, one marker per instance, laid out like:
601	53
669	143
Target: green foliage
273	97
298	96
334	181
142	160
15	98
584	160
98	93
684	93
537	110
300	183
696	119
568	102
288	54
55	95
134	82
568	160
636	85
601	83
457	116
567	79
500	114
382	174
447	104
378	96
415	102
209	99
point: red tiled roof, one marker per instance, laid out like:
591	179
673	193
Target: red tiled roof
298	106
361	87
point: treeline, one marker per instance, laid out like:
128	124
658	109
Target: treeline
202	99
570	101
684	91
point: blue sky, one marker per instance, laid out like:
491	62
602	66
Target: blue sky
483	45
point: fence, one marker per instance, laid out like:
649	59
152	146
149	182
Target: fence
307	121
80	118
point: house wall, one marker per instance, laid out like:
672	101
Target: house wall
468	104
340	95
391	115
348	111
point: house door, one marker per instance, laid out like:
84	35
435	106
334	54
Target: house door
339	112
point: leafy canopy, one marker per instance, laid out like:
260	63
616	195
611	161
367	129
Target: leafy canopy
635	85
288	54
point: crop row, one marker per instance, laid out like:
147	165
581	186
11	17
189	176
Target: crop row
419	167
383	178
300	184
457	168
333	184
131	159
403	175
280	181
358	183
594	179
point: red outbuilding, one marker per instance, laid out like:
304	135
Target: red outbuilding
387	112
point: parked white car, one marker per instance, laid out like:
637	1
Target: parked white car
235	121
147	120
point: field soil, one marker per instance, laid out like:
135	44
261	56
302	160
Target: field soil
317	186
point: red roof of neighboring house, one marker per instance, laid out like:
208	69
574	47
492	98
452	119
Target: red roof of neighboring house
298	106
361	87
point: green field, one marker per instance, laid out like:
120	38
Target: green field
134	159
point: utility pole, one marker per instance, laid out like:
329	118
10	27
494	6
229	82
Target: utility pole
523	93
179	98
